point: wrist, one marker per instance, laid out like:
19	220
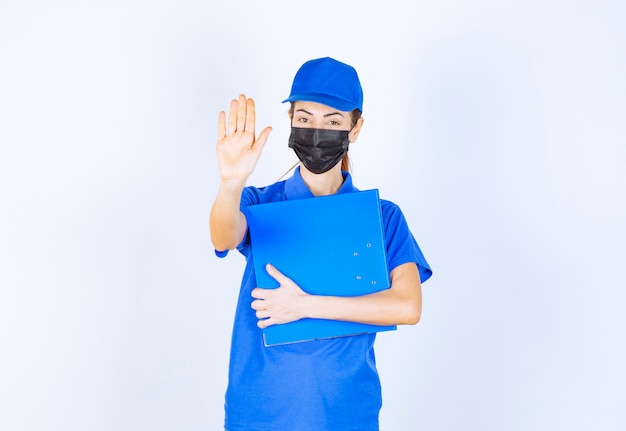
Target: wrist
232	185
310	304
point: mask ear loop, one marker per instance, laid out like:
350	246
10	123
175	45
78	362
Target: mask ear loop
288	170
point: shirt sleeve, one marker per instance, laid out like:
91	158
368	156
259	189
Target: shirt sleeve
400	244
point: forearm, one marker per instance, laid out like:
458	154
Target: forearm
382	308
227	223
399	305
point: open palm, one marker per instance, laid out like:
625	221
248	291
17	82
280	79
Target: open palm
238	150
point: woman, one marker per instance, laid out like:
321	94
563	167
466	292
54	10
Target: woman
318	385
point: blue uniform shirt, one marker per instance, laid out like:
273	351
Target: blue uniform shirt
329	385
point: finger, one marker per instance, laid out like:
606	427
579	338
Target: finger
258	304
258	293
262	314
250	116
221	125
276	274
264	323
241	113
232	117
262	139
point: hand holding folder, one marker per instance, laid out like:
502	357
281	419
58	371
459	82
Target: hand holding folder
328	245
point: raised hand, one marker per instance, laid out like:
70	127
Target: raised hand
238	149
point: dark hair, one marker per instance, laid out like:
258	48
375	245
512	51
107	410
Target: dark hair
355	114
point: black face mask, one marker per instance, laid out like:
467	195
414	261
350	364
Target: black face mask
319	149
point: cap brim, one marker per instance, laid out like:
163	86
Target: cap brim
324	99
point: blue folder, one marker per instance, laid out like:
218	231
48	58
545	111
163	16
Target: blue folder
328	245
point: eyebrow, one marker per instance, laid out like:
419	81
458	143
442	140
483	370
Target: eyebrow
325	115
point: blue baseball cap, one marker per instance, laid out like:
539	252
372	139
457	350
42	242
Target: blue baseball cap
329	82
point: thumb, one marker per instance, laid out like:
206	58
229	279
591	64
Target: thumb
276	274
262	138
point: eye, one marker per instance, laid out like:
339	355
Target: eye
302	120
334	123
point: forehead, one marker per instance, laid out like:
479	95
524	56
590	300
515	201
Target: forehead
315	108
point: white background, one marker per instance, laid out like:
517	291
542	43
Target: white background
499	127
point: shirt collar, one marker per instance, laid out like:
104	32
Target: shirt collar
296	188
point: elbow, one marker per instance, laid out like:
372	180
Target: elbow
218	245
405	283
411	314
221	245
413	318
227	235
221	241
